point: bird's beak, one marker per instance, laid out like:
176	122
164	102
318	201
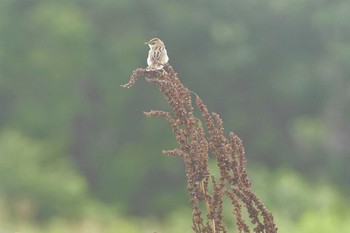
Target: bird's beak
146	42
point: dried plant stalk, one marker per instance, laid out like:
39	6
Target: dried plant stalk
194	149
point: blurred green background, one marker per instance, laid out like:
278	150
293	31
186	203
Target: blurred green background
77	154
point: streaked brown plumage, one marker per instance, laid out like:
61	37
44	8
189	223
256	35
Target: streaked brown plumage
157	55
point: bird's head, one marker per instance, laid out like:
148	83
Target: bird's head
155	42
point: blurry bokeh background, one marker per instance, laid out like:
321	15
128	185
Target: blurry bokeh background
77	154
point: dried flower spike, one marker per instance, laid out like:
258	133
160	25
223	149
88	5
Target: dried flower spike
196	146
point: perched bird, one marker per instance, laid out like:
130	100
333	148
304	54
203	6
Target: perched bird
157	55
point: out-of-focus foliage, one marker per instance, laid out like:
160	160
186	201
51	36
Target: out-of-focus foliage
96	218
35	182
276	71
298	206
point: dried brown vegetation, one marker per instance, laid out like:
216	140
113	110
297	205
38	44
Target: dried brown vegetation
198	140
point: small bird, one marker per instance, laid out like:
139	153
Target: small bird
157	55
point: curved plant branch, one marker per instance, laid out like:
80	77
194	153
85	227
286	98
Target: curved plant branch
196	145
